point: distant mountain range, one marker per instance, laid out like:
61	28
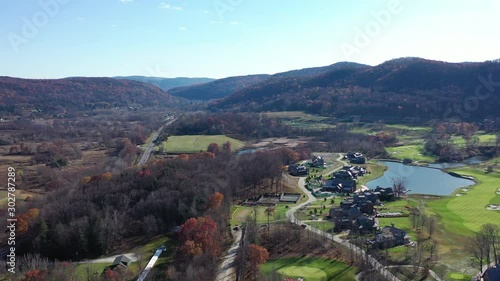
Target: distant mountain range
167	83
57	95
411	88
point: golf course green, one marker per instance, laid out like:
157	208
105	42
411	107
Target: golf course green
311	269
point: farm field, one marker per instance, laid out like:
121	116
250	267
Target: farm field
312	269
197	143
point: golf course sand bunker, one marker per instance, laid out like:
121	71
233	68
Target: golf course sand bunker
310	273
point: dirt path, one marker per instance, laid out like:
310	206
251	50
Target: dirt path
227	269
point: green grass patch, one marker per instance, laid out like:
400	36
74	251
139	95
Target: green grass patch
459	276
197	143
312	269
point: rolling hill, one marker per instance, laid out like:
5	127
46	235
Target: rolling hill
56	95
218	88
167	83
400	88
227	86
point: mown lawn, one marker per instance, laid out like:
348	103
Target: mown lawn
312	269
197	143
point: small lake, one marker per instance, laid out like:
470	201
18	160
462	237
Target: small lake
419	180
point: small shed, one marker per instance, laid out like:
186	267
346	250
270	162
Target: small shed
121	261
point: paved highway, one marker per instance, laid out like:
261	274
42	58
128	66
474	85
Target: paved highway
151	144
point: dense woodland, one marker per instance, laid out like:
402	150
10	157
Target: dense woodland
243	126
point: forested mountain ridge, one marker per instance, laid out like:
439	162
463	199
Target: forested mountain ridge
56	95
227	86
405	87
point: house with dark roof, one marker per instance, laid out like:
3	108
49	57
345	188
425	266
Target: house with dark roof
391	236
298	170
317	161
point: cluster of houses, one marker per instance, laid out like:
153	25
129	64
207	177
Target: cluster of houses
358	214
356	158
344	180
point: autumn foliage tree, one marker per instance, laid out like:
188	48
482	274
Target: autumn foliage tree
34	275
256	256
213	147
198	237
215	201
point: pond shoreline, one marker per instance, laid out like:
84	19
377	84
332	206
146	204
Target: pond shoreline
421	180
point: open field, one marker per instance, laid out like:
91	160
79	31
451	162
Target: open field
197	143
312	269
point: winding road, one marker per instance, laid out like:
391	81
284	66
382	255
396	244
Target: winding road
360	252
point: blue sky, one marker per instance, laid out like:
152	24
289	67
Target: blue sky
221	38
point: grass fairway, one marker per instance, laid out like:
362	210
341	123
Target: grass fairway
466	214
197	143
312	269
413	152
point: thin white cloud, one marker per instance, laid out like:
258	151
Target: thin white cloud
234	23
80	18
164	5
205	11
113	25
183	28
216	22
126	1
